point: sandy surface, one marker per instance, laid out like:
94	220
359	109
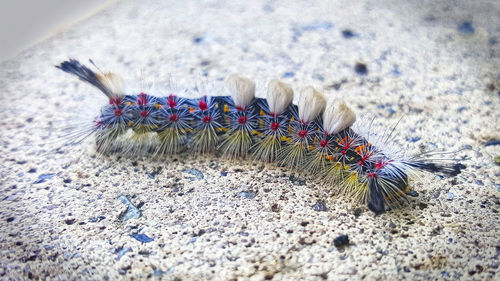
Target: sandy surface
67	215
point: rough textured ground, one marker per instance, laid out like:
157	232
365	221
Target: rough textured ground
436	64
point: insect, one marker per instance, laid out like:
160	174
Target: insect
314	136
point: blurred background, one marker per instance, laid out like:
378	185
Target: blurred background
26	22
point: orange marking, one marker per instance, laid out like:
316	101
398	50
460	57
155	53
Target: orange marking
360	149
344	140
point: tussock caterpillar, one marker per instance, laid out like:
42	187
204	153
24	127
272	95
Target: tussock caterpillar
315	136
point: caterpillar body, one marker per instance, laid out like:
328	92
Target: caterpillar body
314	136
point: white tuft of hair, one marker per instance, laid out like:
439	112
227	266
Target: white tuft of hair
242	90
311	104
279	96
337	116
113	84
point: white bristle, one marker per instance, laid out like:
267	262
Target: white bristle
113	83
337	116
311	103
242	90
279	96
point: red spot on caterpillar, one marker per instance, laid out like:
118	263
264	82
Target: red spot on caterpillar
242	120
203	105
207	119
118	112
365	157
343	152
347	146
275	126
323	143
272	114
115	101
380	165
98	123
144	113
173	118
372	175
302	133
240	108
171	101
142	99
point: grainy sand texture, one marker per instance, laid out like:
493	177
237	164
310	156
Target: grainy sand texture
431	65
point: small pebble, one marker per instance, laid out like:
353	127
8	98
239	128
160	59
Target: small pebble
158	272
466	27
347	33
195	172
412	193
43	178
341	241
361	68
320	206
247	194
492	142
450	195
132	211
142	238
121	252
413	139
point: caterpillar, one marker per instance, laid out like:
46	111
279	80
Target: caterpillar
314	136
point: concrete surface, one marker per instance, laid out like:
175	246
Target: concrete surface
73	215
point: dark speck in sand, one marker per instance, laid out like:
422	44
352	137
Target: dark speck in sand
223	174
340	241
198	39
466	27
361	68
142	238
132	212
492	142
288	74
297	181
155	172
195	172
247	194
320	206
120	252
43	178
347	33
412	139
412	193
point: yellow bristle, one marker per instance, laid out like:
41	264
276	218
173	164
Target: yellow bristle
205	140
236	144
293	155
267	149
171	141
